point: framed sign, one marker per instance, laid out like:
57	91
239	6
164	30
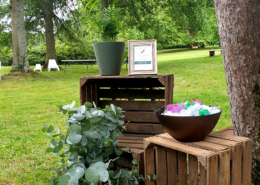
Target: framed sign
142	57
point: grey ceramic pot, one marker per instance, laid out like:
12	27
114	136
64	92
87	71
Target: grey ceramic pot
109	56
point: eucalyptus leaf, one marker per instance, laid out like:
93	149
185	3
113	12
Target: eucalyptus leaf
118	151
74	138
88	105
50	129
91	175
63	179
73	156
103	174
81	109
112	127
74	128
99	165
78	117
120	122
84	141
56	149
113	108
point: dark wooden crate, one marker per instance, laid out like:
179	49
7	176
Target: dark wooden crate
139	96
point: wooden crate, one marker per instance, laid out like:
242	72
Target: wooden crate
139	96
217	160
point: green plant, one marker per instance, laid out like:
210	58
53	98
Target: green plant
86	149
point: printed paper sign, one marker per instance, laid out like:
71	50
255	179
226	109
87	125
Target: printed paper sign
143	57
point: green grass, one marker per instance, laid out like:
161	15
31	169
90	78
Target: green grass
29	101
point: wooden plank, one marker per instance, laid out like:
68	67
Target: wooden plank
229	137
137	135
201	153
135	150
247	162
130	141
140	117
94	94
144	128
133	105
203	175
212	170
182	168
193	170
220	141
236	178
149	165
88	94
224	167
131	145
161	169
131	94
172	166
82	90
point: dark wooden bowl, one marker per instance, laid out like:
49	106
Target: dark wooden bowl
188	128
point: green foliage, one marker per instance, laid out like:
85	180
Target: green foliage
85	150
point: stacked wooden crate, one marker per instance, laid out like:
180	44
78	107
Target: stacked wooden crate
217	160
139	96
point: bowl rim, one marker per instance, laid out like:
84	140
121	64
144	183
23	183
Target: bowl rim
160	114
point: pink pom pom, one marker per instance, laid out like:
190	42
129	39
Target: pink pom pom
199	102
192	101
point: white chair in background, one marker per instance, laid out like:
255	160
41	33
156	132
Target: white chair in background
53	65
38	67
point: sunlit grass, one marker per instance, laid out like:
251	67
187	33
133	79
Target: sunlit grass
29	101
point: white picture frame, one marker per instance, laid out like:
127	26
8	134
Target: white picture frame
142	57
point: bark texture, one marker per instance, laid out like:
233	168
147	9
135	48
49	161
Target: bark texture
20	57
239	30
47	7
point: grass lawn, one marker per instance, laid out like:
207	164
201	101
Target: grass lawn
27	101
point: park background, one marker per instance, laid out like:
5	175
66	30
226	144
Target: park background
29	100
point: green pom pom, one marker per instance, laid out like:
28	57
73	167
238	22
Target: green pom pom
203	112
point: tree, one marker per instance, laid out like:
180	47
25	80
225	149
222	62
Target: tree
20	57
43	13
239	25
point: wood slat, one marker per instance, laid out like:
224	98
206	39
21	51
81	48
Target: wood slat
180	147
212	170
172	166
203	175
131	94
149	165
224	167
126	81
193	170
140	117
144	128
229	137
161	169
247	162
130	145
133	105
236	178
135	150
182	168
130	141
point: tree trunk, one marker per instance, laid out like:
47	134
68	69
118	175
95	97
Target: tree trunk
239	30
47	8
20	56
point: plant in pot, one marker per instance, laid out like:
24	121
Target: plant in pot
109	54
87	147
